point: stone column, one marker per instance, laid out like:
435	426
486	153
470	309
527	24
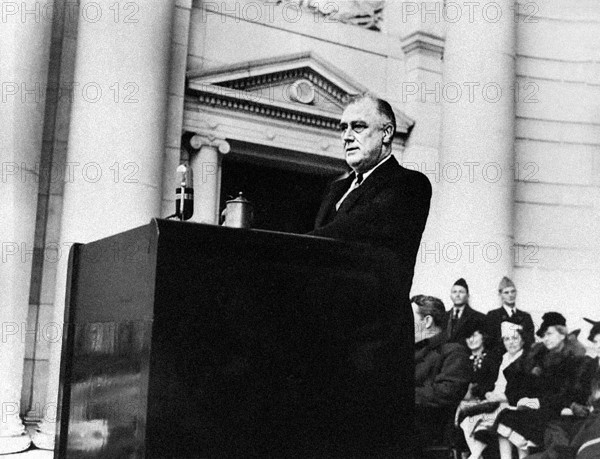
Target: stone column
206	164
25	37
412	83
179	58
116	140
478	131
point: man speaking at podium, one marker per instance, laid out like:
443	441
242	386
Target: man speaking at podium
379	202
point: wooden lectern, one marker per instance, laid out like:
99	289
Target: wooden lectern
196	341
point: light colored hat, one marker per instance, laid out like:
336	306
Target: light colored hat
505	282
508	328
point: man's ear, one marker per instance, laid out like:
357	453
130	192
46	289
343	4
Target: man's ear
388	134
428	321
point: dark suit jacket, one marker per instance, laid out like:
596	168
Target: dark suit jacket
464	327
495	318
442	372
388	209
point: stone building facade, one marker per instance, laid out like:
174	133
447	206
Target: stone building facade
498	103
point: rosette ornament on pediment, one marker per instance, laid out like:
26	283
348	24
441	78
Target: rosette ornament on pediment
299	88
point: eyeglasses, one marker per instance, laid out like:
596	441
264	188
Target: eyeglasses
511	338
355	126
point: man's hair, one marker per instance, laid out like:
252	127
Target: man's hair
383	107
431	306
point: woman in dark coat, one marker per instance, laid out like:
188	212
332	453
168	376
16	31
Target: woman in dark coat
484	370
484	362
506	388
553	382
581	429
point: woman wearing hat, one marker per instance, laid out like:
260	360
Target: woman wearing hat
484	361
580	431
586	442
484	369
554	382
506	390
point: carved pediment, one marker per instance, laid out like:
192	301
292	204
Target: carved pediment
300	88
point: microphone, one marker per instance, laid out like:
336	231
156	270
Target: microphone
184	193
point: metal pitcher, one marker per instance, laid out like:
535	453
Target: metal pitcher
238	213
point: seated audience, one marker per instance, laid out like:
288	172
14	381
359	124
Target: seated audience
478	418
554	382
560	433
586	443
441	371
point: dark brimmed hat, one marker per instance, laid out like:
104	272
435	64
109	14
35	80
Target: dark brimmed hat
595	328
551	319
475	325
463	283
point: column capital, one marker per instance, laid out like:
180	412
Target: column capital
205	138
198	141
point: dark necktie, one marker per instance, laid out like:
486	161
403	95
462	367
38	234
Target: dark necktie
358	178
453	322
511	312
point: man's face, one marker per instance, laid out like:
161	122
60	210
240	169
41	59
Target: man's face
363	133
458	295
420	324
509	296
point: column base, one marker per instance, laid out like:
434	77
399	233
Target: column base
44	435
14	443
31	419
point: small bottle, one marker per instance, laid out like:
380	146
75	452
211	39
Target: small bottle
238	213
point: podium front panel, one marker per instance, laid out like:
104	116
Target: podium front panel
218	342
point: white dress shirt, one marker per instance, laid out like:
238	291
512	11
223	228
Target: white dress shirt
355	183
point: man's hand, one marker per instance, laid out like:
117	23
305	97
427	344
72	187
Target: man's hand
532	403
579	410
469	395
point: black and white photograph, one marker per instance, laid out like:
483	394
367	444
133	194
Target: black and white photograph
303	229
